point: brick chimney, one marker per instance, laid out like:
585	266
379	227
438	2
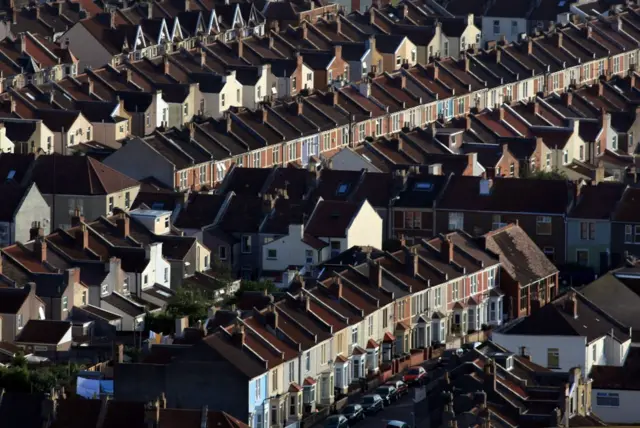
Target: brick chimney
165	63
36	232
203	57
446	249
123	226
240	48
88	86
560	39
415	262
82	237
567	97
152	414
305	30
265	114
40	249
300	107
489	376
238	335
571	304
600	88
529	46
23	42
375	274
338	283
337	51
77	219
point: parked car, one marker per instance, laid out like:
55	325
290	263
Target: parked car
415	375
401	387
397	424
372	403
353	412
388	393
336	421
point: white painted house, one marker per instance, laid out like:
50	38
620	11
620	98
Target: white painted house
566	333
332	227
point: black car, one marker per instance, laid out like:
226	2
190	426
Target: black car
336	421
353	412
372	403
387	392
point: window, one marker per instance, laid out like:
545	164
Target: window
548	160
307	361
491	278
259	92
246	244
378	126
398	60
636	234
186	109
370	326
581	152
148	119
455	294
292	151
395	123
276	155
274	379
496	221
294	84
587	230
456	221
461	106
608	399
222	100
345	136
438	299
582	257
309	77
292	404
127	200
222	252
19	321
614	142
616	64
474	284
65	303
105	289
385	317
326	142
238	95
543	225
412	220
110	207
361	132
84	298
166	275
272	254
89	134
256	160
463	43
512	169
146	279
594	352
292	372
308	255
553	358
446	48
354	335
496	27
414	55
524	299
203	174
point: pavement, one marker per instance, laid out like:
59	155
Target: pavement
400	410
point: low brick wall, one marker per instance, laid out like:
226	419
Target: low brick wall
417	357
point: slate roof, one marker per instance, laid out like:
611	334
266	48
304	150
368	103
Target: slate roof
519	256
331	218
597	202
625	378
77	175
12	299
12	196
47	332
628	207
554	319
544	196
125	305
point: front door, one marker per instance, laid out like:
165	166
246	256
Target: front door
604	263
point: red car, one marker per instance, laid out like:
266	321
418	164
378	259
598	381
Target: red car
415	375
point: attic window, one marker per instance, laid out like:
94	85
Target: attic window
424	186
342	189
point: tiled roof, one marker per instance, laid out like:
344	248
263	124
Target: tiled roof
519	256
627	209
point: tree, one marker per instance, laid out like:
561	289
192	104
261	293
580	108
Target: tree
246	285
546	175
191	302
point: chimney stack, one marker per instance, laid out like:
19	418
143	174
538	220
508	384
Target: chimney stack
375	274
82	237
40	248
447	249
77	219
35	233
165	62
571	304
238	336
338	282
123	225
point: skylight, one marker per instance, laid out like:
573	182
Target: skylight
423	185
342	189
11	174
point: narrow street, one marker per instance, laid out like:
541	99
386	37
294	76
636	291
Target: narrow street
400	410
